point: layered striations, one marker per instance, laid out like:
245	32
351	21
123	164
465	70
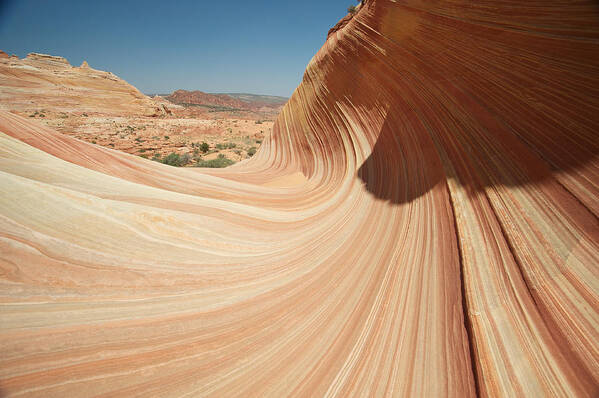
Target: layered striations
422	222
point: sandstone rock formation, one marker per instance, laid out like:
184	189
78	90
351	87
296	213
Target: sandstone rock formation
46	82
161	101
422	223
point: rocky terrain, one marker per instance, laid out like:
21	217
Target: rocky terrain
155	138
422	222
102	109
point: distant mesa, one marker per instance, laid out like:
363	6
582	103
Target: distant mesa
235	101
201	98
60	87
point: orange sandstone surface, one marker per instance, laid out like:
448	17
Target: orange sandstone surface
52	81
422	222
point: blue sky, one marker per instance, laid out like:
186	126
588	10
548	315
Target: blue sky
254	46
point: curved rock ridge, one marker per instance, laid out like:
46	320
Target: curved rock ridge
422	222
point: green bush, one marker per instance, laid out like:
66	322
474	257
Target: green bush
174	159
204	147
252	151
228	145
220	162
351	9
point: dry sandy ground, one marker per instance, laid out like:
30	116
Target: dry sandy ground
150	136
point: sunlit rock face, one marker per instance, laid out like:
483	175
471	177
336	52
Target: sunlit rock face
41	82
422	222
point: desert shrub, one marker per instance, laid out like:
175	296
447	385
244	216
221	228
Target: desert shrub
220	162
258	121
258	141
166	137
156	157
174	159
204	147
226	145
351	9
252	151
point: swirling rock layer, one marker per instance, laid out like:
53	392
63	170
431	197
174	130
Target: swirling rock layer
422	222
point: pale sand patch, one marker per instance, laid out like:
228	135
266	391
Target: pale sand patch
287	181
